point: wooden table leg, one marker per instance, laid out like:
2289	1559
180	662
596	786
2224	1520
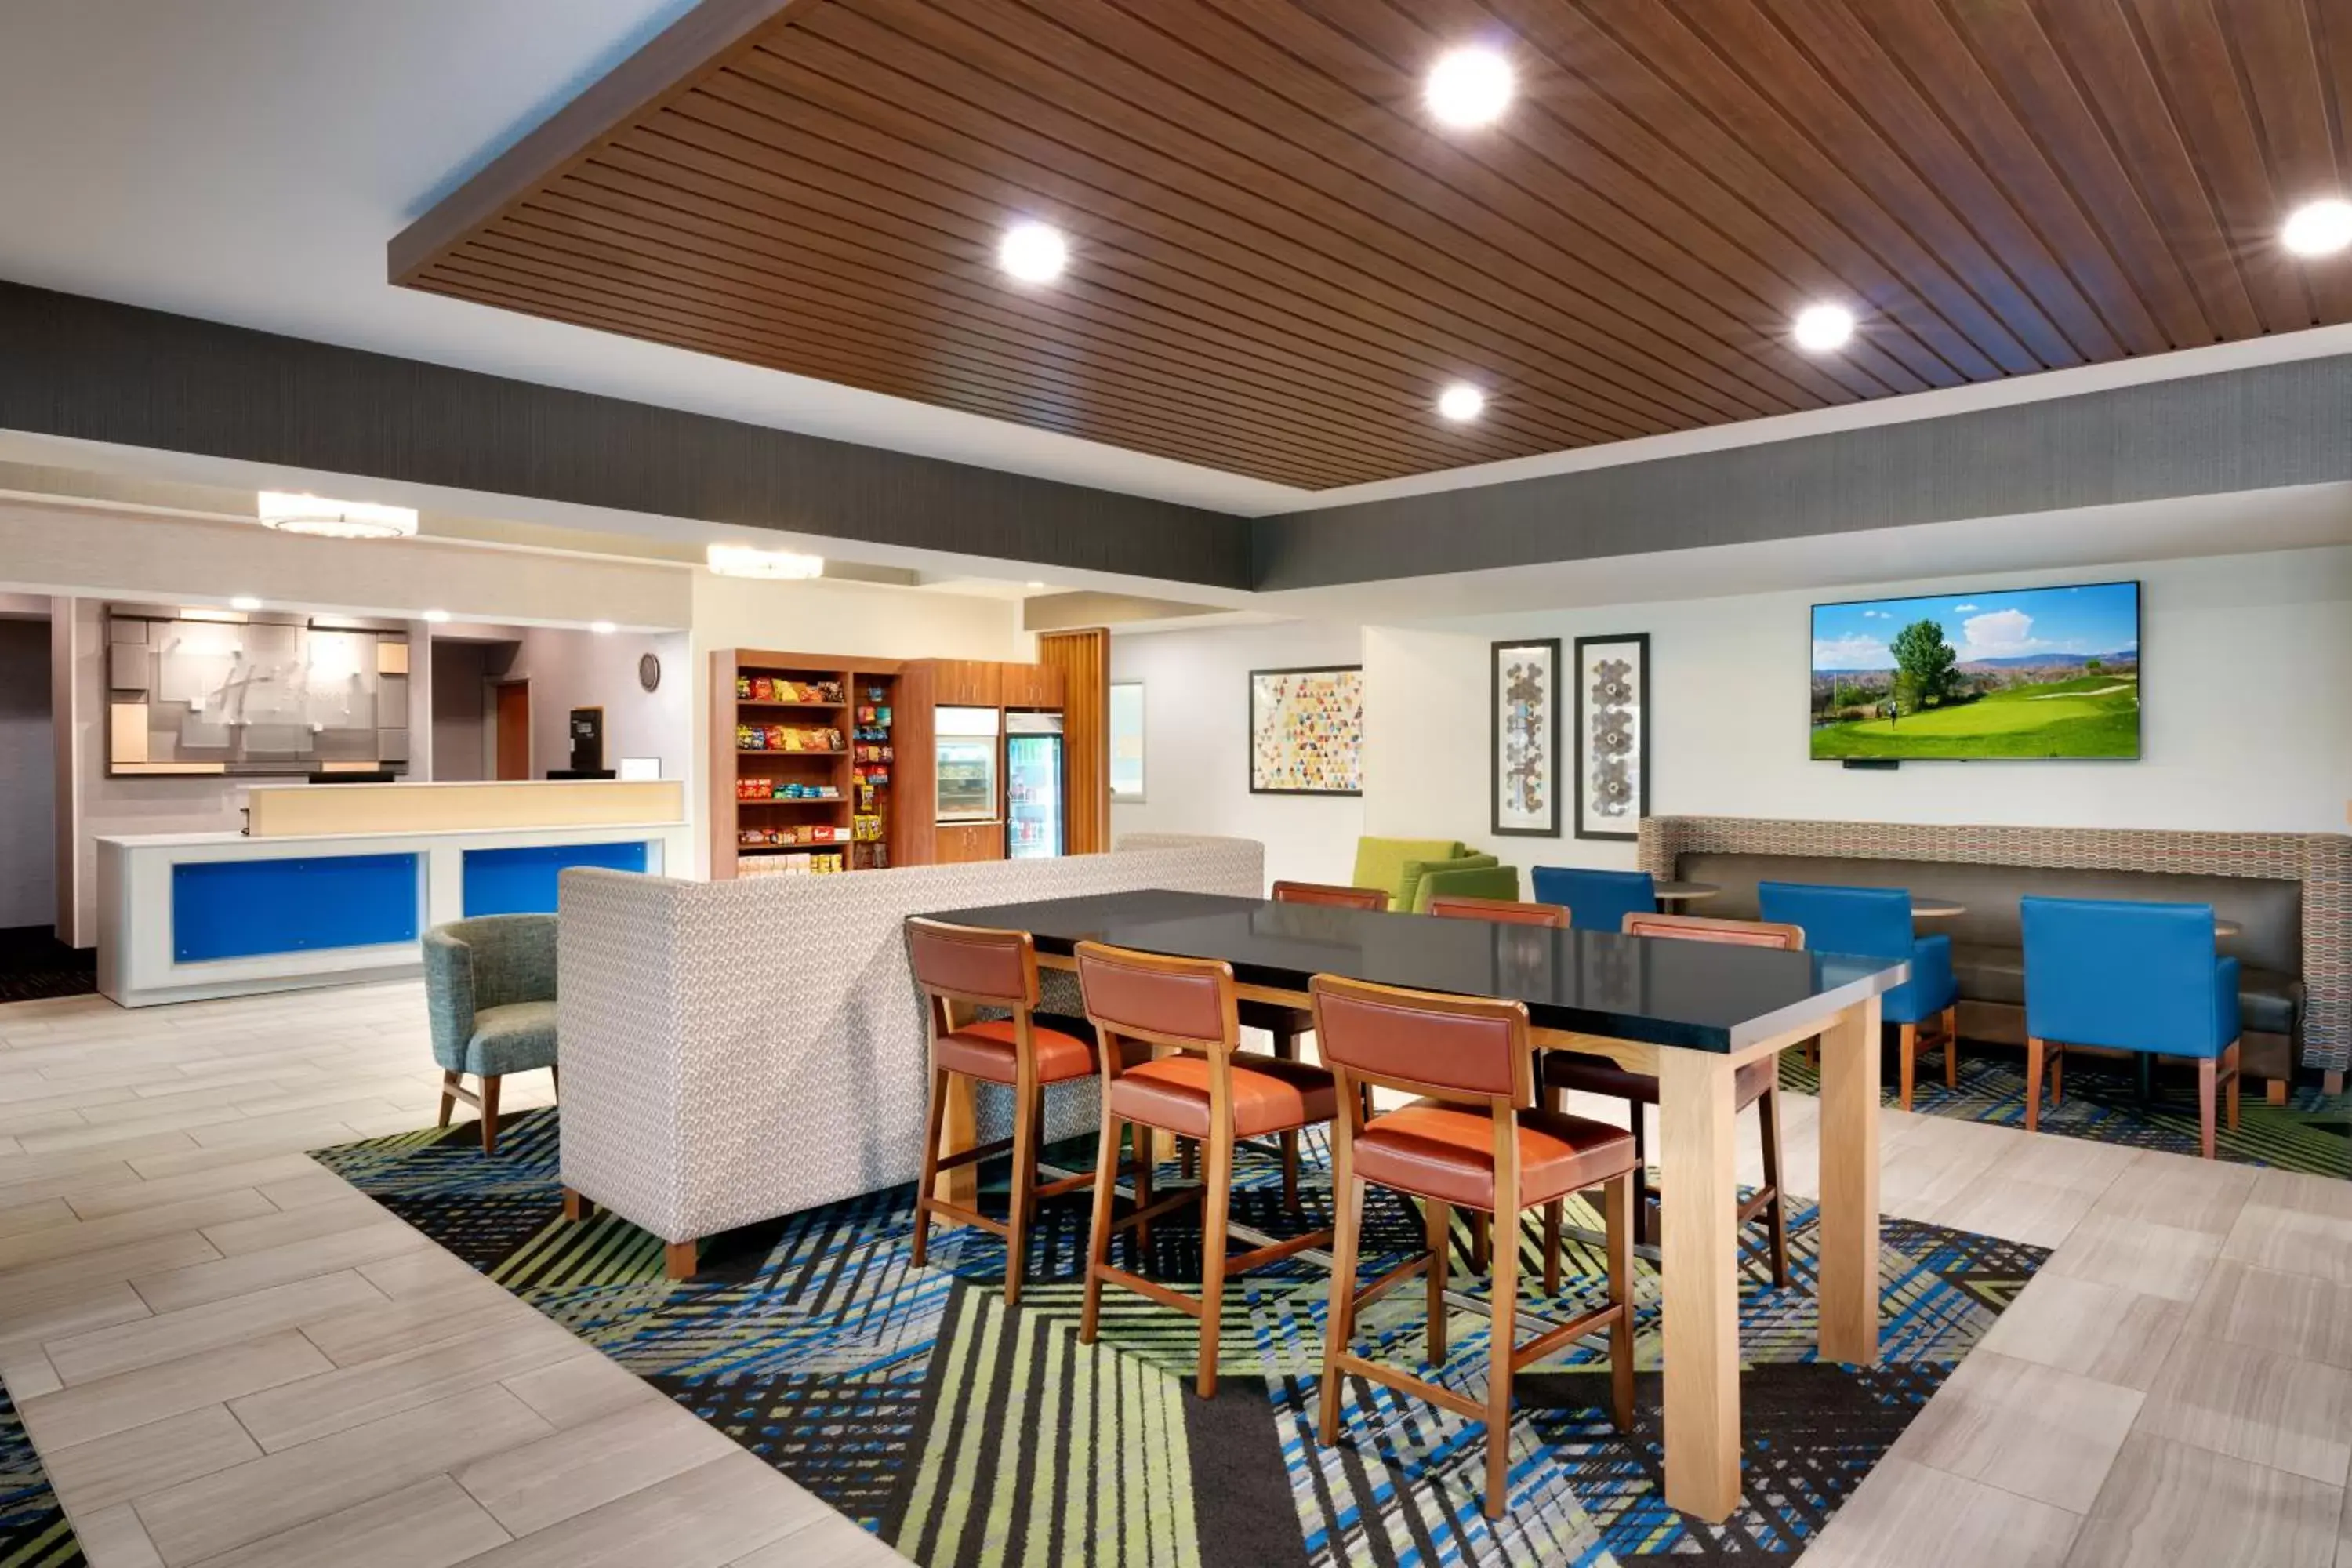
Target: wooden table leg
1847	1289
1699	1276
961	1186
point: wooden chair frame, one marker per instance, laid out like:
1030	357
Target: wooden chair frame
2213	1073
1506	1357
1506	912
1028	1123
1215	1192
1767	1200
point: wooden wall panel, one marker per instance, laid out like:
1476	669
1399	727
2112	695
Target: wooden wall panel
1083	659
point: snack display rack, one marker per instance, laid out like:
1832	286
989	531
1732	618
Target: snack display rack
803	781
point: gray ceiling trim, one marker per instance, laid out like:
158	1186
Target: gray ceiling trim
93	370
2248	429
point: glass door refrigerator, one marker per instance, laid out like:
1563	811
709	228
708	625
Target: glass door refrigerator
966	765
1033	827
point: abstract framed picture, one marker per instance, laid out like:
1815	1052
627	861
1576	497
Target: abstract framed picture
1613	735
1525	743
1307	731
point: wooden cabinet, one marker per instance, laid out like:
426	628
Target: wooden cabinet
959	843
966	683
1030	686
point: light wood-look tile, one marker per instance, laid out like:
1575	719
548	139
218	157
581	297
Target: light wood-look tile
108	1470
2025	1429
117	1197
56	1241
313	1186
39	1214
2292	1241
580	1389
433	1524
378	1328
588	1466
25	1292
25	1371
2254	1404
2176	1190
2292	1314
833	1543
1907	1515
271	1230
276	1492
2170	1505
2095	1330
340	1397
2138	1255
2040	1213
85	1357
109	1405
2328	1196
704	1518
114	1538
250	1271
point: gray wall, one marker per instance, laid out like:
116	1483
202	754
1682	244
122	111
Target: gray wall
28	814
459	718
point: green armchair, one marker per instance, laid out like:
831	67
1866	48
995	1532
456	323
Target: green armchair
1462	881
1396	866
489	988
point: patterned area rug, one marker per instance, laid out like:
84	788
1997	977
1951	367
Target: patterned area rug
969	1435
2312	1132
33	1528
34	966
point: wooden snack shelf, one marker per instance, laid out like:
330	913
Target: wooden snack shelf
836	767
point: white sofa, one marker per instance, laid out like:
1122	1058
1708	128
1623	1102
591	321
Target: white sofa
734	1051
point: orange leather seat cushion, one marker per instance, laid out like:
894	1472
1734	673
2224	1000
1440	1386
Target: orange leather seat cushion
986	1051
1599	1075
1270	1095
1445	1152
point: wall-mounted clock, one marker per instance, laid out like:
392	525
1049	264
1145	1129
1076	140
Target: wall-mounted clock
648	672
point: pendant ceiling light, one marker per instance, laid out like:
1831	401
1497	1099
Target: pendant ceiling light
327	518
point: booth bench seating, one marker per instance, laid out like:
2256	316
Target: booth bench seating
2287	1018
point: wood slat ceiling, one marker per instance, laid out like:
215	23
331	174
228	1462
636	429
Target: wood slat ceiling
1280	259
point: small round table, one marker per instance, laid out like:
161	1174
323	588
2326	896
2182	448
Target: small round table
1928	907
1683	892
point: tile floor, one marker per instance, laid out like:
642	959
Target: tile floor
226	1356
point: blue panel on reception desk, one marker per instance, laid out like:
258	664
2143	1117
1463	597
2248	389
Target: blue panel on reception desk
238	909
522	881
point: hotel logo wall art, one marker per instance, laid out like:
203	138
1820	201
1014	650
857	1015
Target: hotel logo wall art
1525	743
1613	735
1307	731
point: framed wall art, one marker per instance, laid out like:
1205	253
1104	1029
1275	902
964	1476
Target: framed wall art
1613	735
1523	747
1307	731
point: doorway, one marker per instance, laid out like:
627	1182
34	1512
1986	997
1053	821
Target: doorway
513	728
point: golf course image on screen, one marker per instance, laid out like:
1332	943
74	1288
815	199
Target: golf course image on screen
2020	673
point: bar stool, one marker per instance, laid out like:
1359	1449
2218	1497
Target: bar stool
1286	1024
1209	1091
1756	1084
1475	1141
970	967
1507	911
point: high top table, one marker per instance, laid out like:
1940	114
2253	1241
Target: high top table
1689	1013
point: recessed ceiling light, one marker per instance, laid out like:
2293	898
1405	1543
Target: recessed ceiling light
1033	252
1034	585
1823	329
327	518
245	602
437	617
1460	402
2318	228
750	561
1468	88
603	629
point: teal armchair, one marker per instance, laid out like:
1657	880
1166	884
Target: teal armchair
489	988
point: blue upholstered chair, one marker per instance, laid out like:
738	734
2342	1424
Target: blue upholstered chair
1596	901
1875	922
2131	976
489	987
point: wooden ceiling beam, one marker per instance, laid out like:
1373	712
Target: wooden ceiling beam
672	65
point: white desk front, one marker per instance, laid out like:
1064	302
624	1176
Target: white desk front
185	916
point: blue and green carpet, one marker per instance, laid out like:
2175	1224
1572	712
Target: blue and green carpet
968	1436
34	1532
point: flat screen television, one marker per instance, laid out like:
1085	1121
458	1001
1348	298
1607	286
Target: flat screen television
2039	673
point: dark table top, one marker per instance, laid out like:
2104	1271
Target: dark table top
1699	995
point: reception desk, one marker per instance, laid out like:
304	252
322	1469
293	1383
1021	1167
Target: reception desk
335	884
